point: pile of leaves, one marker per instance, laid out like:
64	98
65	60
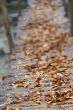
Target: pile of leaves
47	79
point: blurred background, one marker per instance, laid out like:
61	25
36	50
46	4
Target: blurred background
14	8
10	10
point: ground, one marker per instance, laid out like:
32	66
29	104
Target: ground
41	68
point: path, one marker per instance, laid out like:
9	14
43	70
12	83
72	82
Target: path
41	70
